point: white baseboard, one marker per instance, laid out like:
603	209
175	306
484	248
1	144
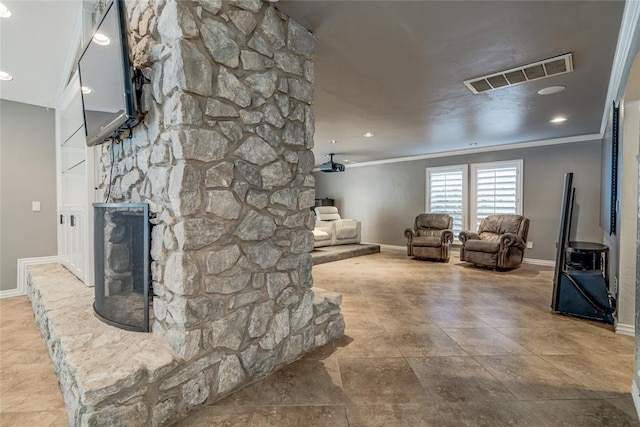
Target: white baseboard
11	293
635	394
543	262
21	281
624	329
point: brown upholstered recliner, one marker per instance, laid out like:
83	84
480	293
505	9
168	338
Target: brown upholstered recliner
430	237
500	241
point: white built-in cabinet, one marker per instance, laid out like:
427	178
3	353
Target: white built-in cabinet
75	164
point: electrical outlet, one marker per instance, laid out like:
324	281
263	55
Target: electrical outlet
35	206
529	245
615	285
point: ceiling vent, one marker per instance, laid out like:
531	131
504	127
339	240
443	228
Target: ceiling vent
525	73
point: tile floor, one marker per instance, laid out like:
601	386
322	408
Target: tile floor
427	344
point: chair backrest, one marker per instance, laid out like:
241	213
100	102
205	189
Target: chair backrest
436	221
327	213
501	224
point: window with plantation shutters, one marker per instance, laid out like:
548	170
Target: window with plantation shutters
447	193
496	188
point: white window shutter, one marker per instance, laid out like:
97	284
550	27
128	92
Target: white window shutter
446	193
496	190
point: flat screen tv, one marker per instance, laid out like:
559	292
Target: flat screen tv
106	77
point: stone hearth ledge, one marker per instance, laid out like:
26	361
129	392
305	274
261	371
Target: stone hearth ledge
114	377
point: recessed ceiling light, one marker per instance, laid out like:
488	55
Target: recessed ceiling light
4	12
333	141
101	39
551	89
86	90
346	160
5	76
368	135
558	119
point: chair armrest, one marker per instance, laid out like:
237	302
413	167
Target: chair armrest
410	233
508	240
447	236
468	235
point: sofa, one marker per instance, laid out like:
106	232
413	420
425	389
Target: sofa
430	237
499	242
342	231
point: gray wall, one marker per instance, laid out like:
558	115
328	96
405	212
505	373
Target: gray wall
27	173
386	198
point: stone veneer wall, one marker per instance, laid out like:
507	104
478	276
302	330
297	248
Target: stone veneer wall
224	160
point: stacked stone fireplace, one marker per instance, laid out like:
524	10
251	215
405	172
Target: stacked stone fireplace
223	158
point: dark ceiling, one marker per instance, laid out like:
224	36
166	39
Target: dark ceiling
396	69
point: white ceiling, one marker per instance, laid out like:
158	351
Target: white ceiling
36	44
396	68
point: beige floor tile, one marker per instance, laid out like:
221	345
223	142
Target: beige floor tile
401	415
531	378
305	382
322	353
455	318
357	344
438	304
402	320
33	396
31	349
248	396
582	413
458	379
489	414
56	418
219	416
298	416
600	340
544	341
430	341
25	375
484	341
609	375
354	303
392	305
380	381
365	320
626	405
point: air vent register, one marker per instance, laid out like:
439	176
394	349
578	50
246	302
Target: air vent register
525	73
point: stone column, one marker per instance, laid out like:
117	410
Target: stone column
224	159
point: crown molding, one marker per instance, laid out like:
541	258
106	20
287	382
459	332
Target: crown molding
530	144
622	60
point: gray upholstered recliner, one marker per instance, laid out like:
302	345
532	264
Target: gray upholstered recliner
430	237
500	241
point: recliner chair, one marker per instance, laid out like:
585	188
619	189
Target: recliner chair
430	237
499	243
345	231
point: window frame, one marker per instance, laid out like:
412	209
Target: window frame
473	185
464	168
